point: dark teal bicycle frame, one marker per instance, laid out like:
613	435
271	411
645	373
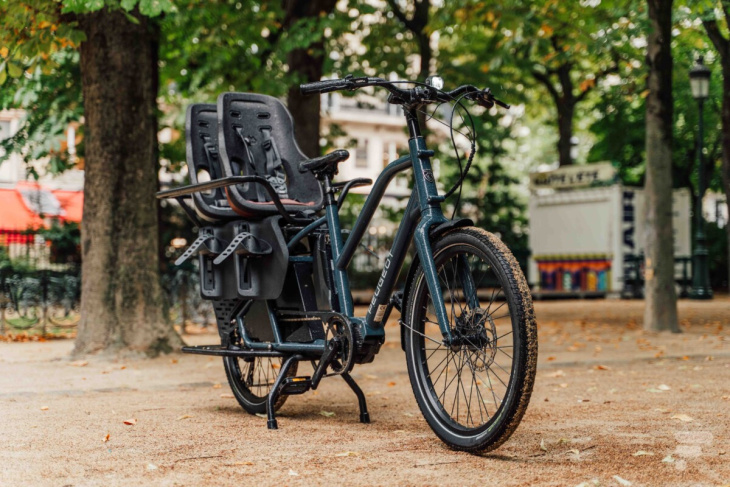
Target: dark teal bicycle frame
422	212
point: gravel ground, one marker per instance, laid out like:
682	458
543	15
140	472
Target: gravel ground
612	405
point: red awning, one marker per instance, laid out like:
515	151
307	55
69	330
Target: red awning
15	215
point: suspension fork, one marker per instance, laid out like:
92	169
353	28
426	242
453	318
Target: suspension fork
430	203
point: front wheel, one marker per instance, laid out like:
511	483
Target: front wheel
474	391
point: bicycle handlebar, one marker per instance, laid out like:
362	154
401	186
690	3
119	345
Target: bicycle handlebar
421	93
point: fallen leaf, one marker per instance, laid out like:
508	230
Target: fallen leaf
44	408
664	387
184	416
574	452
602	367
238	464
173	360
130	422
682	417
79	363
564	385
262	415
642	453
217	386
542	445
371	376
391	384
347	454
668	459
557	373
227	396
550	359
275	365
151	466
327	414
685	357
621	481
293	473
106	438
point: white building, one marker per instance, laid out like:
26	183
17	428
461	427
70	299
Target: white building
14	170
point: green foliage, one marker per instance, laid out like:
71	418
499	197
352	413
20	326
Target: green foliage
51	102
65	238
149	8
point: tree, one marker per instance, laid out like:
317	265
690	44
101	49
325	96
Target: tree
121	302
306	61
660	312
713	28
564	50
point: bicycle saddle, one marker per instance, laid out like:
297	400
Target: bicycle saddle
325	165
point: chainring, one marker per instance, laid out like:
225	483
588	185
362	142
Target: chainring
341	330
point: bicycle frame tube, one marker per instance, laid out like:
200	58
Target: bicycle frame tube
371	204
431	214
423	211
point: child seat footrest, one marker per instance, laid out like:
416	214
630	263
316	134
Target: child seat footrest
247	245
205	244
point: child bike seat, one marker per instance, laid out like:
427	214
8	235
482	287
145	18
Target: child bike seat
202	155
256	137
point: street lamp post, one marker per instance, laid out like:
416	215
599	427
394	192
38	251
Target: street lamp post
699	77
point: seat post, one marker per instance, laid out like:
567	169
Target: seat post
329	191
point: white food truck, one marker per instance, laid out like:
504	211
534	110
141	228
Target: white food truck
586	233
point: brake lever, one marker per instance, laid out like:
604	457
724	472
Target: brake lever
487	100
501	103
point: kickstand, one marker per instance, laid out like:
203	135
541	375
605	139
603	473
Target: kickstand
275	391
364	415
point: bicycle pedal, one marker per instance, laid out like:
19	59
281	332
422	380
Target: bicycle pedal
296	385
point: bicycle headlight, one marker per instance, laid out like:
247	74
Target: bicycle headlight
435	82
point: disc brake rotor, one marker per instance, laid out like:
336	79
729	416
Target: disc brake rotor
481	345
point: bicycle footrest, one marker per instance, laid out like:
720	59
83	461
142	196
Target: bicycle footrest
296	385
246	245
205	244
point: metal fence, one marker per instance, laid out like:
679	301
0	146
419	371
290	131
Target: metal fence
38	294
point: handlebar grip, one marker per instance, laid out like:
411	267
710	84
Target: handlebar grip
324	86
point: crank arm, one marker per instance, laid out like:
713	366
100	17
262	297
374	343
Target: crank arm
330	352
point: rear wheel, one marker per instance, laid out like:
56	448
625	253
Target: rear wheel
251	380
474	391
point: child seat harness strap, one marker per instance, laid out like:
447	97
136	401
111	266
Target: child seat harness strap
275	174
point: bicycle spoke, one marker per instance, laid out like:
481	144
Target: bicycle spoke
462	374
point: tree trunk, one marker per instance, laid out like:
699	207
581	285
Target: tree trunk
722	44
726	148
424	49
660	312
307	63
417	24
121	298
566	112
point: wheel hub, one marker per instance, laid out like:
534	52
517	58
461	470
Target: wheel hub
475	334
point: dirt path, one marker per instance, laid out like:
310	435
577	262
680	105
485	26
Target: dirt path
610	400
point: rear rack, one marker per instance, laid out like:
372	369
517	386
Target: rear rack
183	191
